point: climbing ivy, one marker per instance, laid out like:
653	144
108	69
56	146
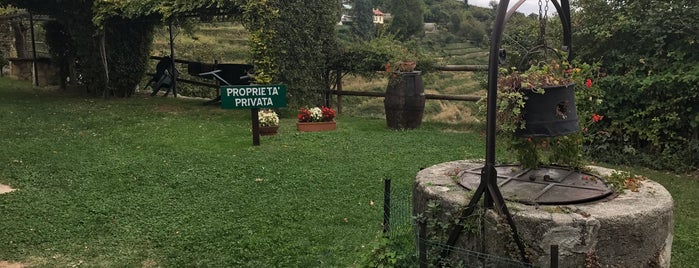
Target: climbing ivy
303	45
651	105
258	18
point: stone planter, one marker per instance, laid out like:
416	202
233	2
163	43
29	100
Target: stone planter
633	229
315	126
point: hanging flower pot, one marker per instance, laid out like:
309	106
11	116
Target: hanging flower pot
550	114
405	100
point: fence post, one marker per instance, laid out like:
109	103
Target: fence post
422	243
554	256
386	206
173	70
35	63
338	86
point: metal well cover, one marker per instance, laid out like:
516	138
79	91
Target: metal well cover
550	185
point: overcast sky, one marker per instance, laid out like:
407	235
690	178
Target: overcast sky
529	6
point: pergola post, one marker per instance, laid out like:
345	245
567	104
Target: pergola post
173	70
34	60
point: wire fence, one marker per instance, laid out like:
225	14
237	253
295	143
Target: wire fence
401	226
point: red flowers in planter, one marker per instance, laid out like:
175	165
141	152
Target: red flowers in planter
316	114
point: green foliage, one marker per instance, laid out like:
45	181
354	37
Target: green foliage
439	221
366	58
536	151
259	17
128	44
3	60
363	22
61	48
652	88
563	150
127	28
304	42
74	35
407	18
624	180
382	254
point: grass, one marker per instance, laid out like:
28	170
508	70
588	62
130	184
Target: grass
152	182
168	182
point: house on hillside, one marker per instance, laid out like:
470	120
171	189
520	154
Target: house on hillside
347	16
378	16
346	7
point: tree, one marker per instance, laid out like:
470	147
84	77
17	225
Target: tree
363	22
303	46
408	18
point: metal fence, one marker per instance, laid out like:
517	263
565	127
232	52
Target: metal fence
400	224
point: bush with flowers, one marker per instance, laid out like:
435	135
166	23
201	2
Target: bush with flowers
268	118
316	114
562	150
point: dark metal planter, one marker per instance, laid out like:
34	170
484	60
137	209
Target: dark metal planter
405	100
550	114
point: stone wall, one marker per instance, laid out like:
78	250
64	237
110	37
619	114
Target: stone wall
22	69
634	229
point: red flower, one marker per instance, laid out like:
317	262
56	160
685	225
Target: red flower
596	118
304	115
328	114
588	83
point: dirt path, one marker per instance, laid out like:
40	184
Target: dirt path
4	189
4	264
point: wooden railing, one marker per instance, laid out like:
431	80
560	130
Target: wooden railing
339	92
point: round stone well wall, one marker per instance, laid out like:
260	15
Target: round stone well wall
632	229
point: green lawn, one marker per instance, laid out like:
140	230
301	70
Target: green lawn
151	181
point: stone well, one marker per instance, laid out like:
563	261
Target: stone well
632	229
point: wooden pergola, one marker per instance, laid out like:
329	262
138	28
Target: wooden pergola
32	18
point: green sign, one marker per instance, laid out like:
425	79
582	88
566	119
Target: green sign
248	97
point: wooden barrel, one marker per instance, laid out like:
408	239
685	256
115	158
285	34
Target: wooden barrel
405	100
550	114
